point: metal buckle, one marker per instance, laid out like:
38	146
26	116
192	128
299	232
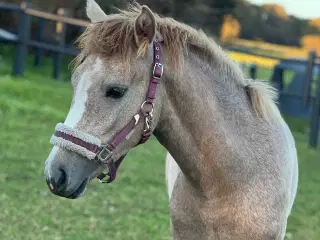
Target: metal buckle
147	123
142	107
105	155
156	65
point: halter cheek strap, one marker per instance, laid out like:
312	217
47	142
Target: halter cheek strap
92	148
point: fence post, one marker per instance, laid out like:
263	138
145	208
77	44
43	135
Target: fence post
21	50
61	29
40	38
314	129
308	79
253	71
277	78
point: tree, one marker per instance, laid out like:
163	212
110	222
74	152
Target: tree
230	29
311	42
218	9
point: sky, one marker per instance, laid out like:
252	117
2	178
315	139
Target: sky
299	8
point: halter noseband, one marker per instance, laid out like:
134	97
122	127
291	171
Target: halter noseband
91	147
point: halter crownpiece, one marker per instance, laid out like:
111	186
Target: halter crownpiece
92	148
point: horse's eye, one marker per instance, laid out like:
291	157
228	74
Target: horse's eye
115	92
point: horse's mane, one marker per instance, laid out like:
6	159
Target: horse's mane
115	35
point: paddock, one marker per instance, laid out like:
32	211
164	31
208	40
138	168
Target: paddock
136	206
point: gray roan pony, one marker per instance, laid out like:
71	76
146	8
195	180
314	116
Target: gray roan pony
233	172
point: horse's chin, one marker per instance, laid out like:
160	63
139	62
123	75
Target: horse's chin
79	191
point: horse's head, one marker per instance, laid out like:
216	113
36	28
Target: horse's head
115	84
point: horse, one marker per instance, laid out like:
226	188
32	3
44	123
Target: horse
231	166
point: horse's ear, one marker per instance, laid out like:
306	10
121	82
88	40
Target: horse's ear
145	26
94	12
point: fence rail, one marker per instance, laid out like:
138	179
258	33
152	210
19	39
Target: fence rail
57	18
53	48
23	41
9	7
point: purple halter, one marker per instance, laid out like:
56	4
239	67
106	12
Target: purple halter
91	147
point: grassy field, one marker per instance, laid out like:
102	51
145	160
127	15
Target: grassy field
135	206
267	49
251	59
273	49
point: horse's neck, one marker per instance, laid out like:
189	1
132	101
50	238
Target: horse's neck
192	109
233	163
192	126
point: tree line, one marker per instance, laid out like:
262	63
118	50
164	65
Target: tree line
269	23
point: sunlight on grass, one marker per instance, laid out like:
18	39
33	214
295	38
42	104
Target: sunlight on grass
281	50
248	59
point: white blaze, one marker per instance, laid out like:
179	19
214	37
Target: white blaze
81	96
78	108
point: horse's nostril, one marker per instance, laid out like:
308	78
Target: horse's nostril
62	180
57	181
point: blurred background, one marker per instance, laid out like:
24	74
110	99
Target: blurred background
282	22
272	40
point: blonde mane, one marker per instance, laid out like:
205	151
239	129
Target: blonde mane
115	36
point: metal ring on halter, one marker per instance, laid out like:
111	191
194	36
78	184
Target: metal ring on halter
148	112
105	155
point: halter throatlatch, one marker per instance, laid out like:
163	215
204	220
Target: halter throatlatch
92	148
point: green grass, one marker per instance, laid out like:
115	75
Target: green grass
135	206
266	74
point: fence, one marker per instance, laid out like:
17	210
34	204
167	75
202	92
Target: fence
299	90
300	97
22	38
